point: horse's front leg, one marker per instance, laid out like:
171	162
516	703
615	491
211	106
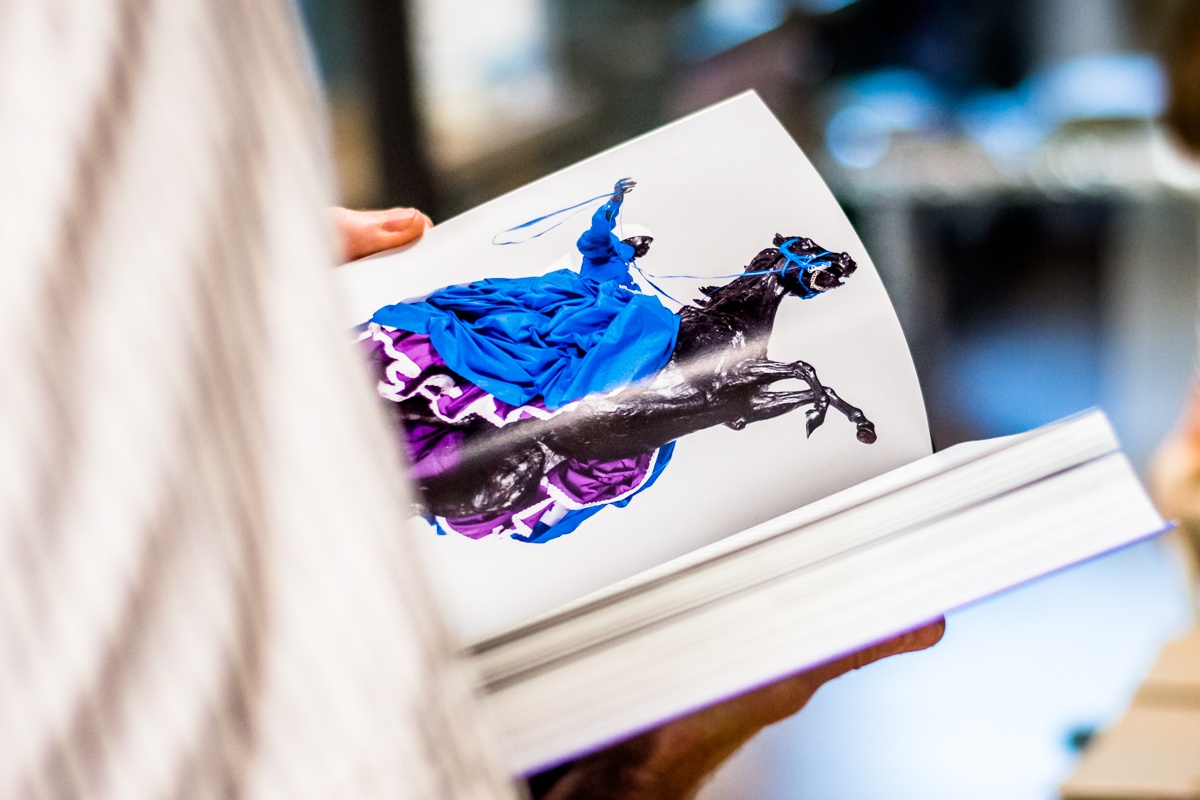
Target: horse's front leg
823	397
766	405
815	416
765	371
866	428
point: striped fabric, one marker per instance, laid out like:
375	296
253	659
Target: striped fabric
203	591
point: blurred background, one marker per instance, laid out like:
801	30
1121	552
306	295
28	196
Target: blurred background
1035	227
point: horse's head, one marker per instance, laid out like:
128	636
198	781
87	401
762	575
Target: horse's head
802	267
806	269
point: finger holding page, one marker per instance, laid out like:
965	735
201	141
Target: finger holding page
363	233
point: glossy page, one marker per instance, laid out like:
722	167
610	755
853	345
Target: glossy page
533	495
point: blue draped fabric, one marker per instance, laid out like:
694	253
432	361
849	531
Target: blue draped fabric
559	336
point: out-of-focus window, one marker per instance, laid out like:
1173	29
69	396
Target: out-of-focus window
487	76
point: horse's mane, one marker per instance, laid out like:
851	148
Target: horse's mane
760	263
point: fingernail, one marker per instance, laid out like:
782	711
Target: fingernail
403	220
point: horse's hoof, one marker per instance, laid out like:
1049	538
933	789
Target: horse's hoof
866	434
812	422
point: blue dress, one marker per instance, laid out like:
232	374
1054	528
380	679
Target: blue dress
556	337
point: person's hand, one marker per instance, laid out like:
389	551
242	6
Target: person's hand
673	761
363	233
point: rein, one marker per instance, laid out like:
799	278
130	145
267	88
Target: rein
804	263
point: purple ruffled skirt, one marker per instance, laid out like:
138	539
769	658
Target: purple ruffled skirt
408	368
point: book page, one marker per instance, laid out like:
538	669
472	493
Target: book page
605	403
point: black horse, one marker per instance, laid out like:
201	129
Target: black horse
718	374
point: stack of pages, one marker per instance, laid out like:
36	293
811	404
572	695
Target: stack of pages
668	443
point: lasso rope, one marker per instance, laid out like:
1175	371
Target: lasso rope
575	209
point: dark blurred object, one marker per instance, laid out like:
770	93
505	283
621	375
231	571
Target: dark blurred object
624	53
1080	738
958	44
406	172
786	66
1009	259
1182	56
334	30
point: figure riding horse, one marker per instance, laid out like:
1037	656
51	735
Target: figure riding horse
485	466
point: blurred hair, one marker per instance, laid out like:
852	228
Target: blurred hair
1182	57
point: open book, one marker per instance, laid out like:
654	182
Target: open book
669	445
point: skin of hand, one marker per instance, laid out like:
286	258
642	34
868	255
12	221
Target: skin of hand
1174	474
673	761
1174	482
362	233
670	762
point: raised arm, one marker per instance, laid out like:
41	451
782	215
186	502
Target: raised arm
598	244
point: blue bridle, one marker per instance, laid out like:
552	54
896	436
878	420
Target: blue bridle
805	264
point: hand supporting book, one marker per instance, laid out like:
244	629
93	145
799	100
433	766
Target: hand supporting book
674	760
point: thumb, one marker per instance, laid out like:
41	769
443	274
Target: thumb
363	233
